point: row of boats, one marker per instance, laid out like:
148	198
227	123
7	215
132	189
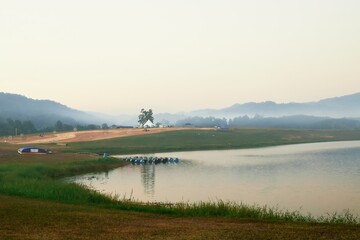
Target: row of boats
151	160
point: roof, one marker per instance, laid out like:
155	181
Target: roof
33	150
149	124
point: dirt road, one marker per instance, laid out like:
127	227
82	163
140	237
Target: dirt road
84	136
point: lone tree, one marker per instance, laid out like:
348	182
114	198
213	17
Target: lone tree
145	116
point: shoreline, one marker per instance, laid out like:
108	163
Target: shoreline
27	178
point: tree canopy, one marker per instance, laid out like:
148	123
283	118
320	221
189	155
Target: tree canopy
144	116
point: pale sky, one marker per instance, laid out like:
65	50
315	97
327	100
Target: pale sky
117	56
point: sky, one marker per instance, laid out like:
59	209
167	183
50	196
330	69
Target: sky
117	56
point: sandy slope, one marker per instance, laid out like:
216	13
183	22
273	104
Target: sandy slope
83	136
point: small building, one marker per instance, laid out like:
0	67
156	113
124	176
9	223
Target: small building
149	124
32	150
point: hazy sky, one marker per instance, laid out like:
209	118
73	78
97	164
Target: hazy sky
117	56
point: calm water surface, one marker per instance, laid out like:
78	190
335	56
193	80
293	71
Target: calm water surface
315	178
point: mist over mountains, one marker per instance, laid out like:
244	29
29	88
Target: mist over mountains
42	113
339	107
338	112
335	113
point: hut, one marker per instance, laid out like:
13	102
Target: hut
32	150
149	124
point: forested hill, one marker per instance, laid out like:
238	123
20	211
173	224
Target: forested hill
42	113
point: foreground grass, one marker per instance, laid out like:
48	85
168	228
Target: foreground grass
22	218
190	140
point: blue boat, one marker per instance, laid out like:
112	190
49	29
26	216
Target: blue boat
32	150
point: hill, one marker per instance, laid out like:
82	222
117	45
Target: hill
42	113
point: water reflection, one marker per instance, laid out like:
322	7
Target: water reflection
148	178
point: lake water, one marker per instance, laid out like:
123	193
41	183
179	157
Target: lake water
316	178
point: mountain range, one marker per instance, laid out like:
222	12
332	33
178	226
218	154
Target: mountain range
45	113
338	107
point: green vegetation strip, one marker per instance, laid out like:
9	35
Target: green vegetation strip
43	181
191	140
41	177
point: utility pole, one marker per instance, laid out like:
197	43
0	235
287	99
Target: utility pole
15	132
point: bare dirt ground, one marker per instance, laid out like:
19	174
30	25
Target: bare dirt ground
84	136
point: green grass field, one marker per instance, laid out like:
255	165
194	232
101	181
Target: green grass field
190	140
24	178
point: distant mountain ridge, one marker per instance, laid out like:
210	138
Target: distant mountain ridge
338	107
42	113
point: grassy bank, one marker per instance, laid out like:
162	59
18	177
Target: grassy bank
22	218
190	140
42	181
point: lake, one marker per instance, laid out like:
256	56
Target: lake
316	178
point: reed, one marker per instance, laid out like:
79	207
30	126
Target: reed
235	210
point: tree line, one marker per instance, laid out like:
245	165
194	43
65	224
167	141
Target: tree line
298	121
12	127
15	127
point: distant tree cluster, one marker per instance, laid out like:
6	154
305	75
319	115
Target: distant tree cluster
257	121
11	127
296	121
63	127
16	127
203	122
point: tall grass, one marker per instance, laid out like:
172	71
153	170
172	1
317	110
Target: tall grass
233	210
42	181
